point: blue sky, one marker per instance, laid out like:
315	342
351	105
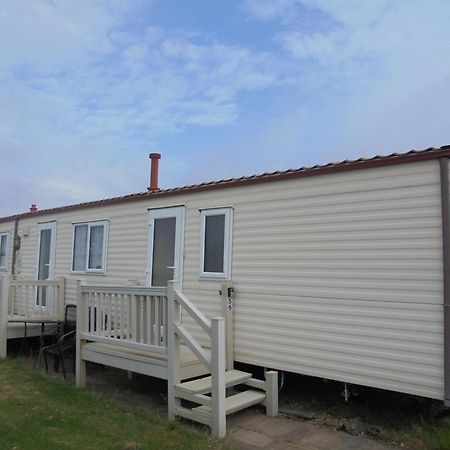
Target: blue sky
221	88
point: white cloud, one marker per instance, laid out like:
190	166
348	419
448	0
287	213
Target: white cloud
54	35
88	87
384	65
80	84
269	9
319	47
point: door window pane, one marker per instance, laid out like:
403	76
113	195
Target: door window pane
96	247
3	250
214	243
44	254
80	248
45	247
163	251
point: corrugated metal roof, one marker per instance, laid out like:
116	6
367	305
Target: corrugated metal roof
361	163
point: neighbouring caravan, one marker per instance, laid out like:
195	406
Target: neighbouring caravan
339	271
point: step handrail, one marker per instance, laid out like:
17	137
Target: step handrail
193	311
215	328
195	347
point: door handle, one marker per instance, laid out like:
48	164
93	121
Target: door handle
170	267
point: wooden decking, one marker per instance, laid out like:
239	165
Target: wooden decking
141	330
141	361
17	329
126	328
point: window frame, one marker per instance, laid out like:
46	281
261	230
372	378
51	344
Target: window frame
5	267
90	224
228	212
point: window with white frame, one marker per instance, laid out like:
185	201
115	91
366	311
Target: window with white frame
89	246
215	251
4	244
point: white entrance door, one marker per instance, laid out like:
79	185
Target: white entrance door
165	254
46	260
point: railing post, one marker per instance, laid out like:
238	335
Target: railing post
173	349
272	393
4	300
60	306
218	394
227	295
80	364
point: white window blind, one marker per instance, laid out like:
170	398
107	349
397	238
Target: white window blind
89	247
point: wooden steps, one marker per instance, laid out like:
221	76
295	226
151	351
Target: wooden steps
195	390
235	402
203	385
205	399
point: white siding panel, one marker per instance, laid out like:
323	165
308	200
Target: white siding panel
337	276
346	284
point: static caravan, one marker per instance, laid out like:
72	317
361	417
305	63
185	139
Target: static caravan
338	271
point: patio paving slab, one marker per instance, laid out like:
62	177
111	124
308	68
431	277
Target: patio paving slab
251	429
248	439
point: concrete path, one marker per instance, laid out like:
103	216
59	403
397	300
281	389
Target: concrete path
252	430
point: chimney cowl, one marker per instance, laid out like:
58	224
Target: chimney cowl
154	157
33	208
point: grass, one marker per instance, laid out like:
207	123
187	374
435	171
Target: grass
37	412
439	438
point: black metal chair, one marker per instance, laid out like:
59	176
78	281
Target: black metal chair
65	339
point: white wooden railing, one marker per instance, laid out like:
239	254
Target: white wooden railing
149	319
133	317
28	300
36	299
214	360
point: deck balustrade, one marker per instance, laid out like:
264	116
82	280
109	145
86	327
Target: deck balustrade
28	301
35	299
133	317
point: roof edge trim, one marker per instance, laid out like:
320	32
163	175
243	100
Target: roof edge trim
347	165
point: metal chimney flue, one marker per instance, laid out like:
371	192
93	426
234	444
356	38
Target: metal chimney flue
154	158
33	208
